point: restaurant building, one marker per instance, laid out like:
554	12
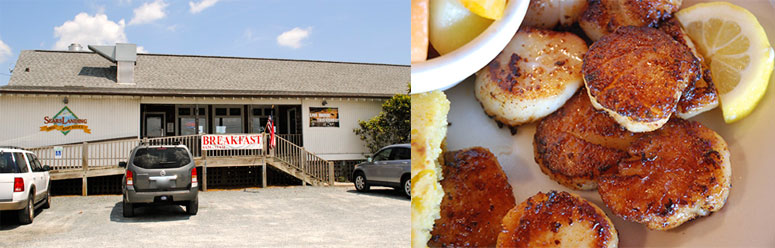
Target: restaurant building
68	97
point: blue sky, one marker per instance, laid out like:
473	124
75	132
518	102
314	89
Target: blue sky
342	30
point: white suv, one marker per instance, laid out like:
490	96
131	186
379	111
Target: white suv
24	183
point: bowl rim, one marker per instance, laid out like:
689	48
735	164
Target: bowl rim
445	71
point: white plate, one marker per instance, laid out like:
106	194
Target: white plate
445	71
747	219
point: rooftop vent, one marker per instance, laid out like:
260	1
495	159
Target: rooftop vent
75	47
124	55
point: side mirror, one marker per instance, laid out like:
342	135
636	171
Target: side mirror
46	168
122	164
369	159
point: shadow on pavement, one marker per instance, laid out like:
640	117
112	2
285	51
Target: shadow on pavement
149	213
382	192
9	220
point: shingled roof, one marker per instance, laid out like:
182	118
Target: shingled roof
57	72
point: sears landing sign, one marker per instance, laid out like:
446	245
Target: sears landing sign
64	121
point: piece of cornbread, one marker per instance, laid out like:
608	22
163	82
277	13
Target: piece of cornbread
429	127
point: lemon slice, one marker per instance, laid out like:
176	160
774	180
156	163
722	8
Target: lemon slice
490	9
737	50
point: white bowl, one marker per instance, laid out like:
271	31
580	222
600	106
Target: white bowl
445	71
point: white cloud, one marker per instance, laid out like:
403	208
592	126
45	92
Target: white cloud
293	38
5	52
149	12
89	30
202	5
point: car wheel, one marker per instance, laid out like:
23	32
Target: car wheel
407	185
47	204
192	207
28	213
129	210
360	183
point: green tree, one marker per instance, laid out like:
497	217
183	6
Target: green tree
391	126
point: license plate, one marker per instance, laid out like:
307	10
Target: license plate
163	198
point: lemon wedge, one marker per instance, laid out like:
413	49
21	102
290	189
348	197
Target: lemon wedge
490	9
737	50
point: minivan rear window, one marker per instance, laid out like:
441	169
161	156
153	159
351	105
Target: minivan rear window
161	157
8	163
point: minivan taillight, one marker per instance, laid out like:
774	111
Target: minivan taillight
194	181
18	184
129	181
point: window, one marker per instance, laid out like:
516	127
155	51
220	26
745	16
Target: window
33	161
228	120
383	155
259	118
7	163
187	120
184	111
161	157
402	154
20	162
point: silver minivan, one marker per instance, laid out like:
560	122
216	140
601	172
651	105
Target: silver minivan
161	174
390	166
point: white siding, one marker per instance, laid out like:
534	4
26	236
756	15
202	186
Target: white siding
108	117
338	143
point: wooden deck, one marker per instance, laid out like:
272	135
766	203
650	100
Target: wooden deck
102	159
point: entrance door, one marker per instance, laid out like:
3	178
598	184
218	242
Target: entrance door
154	125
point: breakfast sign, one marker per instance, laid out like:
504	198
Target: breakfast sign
231	142
64	121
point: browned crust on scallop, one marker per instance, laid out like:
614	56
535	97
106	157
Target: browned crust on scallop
537	221
639	73
698	95
477	195
605	16
674	174
701	93
577	143
646	12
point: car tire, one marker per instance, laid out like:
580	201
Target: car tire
406	187
28	213
192	207
47	203
129	210
360	182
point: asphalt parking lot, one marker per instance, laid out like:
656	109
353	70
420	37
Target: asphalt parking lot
272	217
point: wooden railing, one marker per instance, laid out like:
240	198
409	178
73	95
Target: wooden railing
301	159
95	155
296	139
107	154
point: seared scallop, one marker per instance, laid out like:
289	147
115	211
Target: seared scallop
603	17
532	77
477	195
700	96
577	143
672	175
550	13
557	219
637	74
